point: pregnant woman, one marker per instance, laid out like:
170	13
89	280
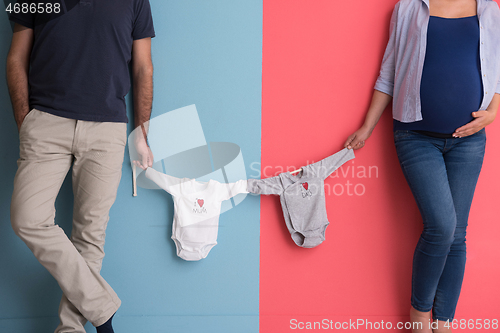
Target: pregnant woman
441	69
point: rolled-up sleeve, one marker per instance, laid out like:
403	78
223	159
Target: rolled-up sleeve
385	81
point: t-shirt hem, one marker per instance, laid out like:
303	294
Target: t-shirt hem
21	22
143	36
77	116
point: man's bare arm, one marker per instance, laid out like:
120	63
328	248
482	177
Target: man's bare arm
17	71
142	75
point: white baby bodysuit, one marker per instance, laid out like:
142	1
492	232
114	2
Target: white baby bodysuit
197	208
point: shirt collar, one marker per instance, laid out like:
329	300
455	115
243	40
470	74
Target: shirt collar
481	5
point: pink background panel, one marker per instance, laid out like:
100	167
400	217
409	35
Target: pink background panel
320	61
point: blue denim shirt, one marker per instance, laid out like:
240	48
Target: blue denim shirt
401	70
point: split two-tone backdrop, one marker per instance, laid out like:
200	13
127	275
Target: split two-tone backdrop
287	81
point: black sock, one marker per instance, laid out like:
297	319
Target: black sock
106	327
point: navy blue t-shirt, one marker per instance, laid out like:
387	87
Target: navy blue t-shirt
451	87
80	56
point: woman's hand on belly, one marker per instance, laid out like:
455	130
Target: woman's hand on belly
481	120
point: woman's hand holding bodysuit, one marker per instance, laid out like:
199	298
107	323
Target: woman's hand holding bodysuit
358	138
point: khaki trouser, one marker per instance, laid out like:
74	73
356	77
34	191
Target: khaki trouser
49	145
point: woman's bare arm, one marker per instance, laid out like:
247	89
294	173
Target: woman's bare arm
379	103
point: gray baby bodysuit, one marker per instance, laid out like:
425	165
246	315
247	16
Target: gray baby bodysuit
302	197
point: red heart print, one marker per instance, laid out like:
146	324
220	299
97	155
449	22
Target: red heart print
305	185
201	202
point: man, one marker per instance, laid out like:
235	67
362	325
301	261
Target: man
67	73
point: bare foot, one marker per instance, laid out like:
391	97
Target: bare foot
442	326
420	321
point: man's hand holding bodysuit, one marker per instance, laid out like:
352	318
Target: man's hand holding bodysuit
142	155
